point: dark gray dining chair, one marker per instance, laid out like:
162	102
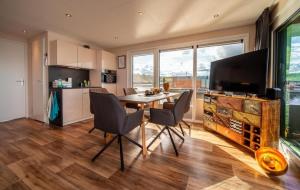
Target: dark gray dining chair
169	118
111	117
96	90
170	105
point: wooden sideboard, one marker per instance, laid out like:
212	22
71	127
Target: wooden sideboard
250	122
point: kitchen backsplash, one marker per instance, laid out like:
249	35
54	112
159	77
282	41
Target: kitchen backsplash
77	75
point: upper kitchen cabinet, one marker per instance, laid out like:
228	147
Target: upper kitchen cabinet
87	58
63	54
108	61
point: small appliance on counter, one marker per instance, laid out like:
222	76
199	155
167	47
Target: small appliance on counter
109	76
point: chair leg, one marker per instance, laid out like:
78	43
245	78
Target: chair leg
121	152
172	141
160	128
132	141
186	124
182	138
156	137
105	134
181	129
105	147
91	130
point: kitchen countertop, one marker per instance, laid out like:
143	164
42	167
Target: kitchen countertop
76	87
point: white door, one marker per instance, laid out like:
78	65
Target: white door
12	80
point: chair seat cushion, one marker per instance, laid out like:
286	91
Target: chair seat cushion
162	117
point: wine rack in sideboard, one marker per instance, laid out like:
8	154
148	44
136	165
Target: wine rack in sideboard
250	122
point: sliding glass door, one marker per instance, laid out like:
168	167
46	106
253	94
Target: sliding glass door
206	55
288	79
143	71
176	67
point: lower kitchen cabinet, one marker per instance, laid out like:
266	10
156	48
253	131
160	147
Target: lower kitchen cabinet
76	105
72	105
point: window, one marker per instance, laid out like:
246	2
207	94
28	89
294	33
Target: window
142	72
176	67
184	68
288	79
206	55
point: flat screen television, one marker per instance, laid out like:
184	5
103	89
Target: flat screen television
246	73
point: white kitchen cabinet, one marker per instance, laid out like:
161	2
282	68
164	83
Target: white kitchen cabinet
105	61
63	54
86	58
76	105
86	104
108	61
72	105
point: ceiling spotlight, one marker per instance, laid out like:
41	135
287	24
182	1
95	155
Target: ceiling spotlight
140	13
216	15
24	31
116	37
68	15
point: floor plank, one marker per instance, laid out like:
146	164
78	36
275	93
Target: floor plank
36	156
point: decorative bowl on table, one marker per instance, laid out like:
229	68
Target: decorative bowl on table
271	161
152	92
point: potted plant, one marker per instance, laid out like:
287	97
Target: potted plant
166	85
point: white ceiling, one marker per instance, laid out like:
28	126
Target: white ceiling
98	21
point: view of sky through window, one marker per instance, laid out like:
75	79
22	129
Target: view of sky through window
142	72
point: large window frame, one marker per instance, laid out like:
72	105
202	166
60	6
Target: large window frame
279	80
194	44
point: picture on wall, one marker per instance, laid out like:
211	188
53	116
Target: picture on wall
122	62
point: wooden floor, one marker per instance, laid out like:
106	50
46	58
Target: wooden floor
34	156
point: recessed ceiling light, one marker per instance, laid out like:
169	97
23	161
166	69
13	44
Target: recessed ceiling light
24	31
116	37
68	15
216	15
140	12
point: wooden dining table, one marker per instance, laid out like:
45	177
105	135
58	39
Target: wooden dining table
143	100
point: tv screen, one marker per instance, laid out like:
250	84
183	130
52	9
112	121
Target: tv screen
246	73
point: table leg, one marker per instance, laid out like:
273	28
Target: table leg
143	135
